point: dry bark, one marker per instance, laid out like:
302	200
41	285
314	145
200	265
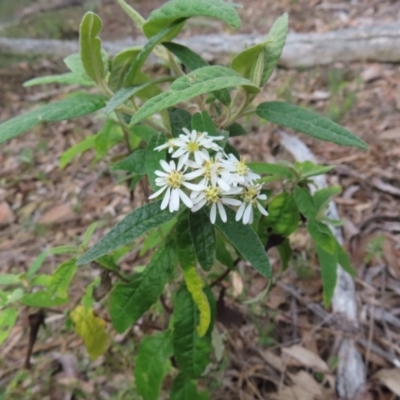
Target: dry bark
379	43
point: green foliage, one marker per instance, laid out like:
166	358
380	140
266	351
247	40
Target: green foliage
8	317
179	119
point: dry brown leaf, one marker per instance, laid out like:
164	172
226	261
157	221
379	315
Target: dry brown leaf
304	388
6	214
306	357
373	72
57	215
237	284
276	297
390	378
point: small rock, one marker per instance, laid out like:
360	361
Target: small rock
373	72
6	214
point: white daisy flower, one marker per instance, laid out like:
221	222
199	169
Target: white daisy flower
192	143
211	170
250	195
237	172
167	145
217	197
172	181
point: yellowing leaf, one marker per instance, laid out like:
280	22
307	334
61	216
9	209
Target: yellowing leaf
92	330
195	286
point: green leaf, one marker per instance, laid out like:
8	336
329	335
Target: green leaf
322	196
192	352
308	122
328	263
71	107
185	389
222	253
273	169
176	9
42	299
202	122
305	203
344	260
90	46
132	13
145	52
62	278
203	236
134	163
69	79
88	234
81	147
243	61
274	44
229	149
285	253
308	169
126	93
192	61
128	301
179	119
236	130
155	238
246	242
9	279
120	66
74	63
283	215
153	158
92	330
185	248
8	317
132	226
202	80
144	132
322	235
151	364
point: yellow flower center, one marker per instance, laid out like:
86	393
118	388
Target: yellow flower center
250	195
207	169
241	168
192	147
175	179
212	194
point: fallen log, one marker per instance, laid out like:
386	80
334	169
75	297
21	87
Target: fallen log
378	43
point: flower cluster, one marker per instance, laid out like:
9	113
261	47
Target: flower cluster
199	178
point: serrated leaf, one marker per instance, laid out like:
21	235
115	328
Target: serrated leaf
42	299
193	61
128	301
69	79
176	9
134	163
8	317
202	80
153	158
322	235
150	365
308	122
92	330
328	263
305	203
191	351
283	215
68	108
274	44
132	226
203	236
90	46
246	242
62	278
141	58
185	389
179	119
132	13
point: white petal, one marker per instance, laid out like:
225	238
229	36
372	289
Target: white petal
247	214
222	212
231	202
172	165
191	175
213	213
165	165
182	160
262	209
193	186
160	173
223	185
185	199
166	199
174	201
198	205
154	195
186	130
240	211
178	152
262	197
